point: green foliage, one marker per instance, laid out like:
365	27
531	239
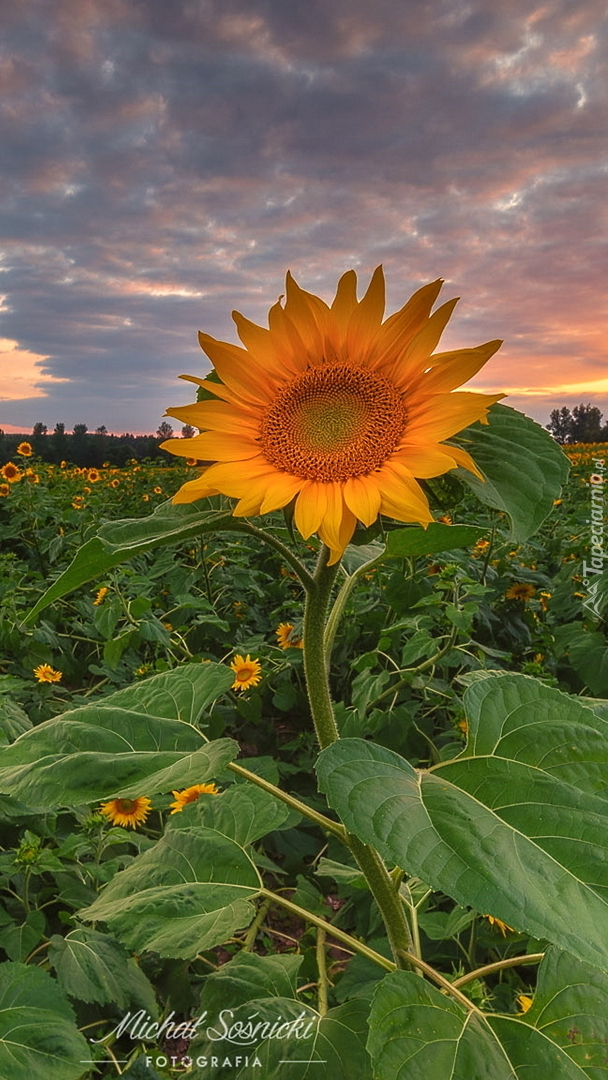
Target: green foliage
523	467
38	1033
485	801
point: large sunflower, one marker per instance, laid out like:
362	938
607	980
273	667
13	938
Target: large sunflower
333	408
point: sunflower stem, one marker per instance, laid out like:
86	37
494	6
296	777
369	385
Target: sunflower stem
316	668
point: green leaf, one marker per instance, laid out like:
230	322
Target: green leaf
316	1047
436	537
418	1033
138	741
249	976
18	941
94	967
524	467
38	1033
118	541
13	720
570	1006
522	719
495	834
588	655
186	894
243	812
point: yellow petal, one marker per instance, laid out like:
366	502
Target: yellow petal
310	508
219	416
268	354
338	523
416	357
282	489
216	446
452	369
220	391
402	498
444	415
398	331
236	369
362	496
365	320
426	461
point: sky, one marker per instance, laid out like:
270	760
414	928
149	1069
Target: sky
164	162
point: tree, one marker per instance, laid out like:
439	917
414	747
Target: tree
187	431
59	442
560	424
582	425
164	430
587	421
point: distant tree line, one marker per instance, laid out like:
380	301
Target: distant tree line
582	425
90	449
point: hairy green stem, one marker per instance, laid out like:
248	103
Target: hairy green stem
498	965
322	985
316	661
316	669
350	942
319	819
273	541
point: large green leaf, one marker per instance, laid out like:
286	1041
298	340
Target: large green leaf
419	1033
118	541
523	466
249	976
138	741
243	812
497	835
186	894
436	537
94	967
38	1033
252	997
521	719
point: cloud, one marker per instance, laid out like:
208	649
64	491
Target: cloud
166	163
23	376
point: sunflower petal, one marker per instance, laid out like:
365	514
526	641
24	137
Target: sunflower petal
218	416
362	496
443	415
235	369
310	508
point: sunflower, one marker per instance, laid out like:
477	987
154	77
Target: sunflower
93	476
287	639
125	812
114	483
333	409
45	673
247	672
25	449
191	794
521	590
11	472
524	1001
101	595
4	490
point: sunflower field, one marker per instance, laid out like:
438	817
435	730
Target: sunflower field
299	788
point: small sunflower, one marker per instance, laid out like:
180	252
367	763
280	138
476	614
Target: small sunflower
247	672
286	637
126	812
521	590
11	472
191	794
45	673
101	595
4	490
158	490
114	483
333	409
25	449
93	476
524	1001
